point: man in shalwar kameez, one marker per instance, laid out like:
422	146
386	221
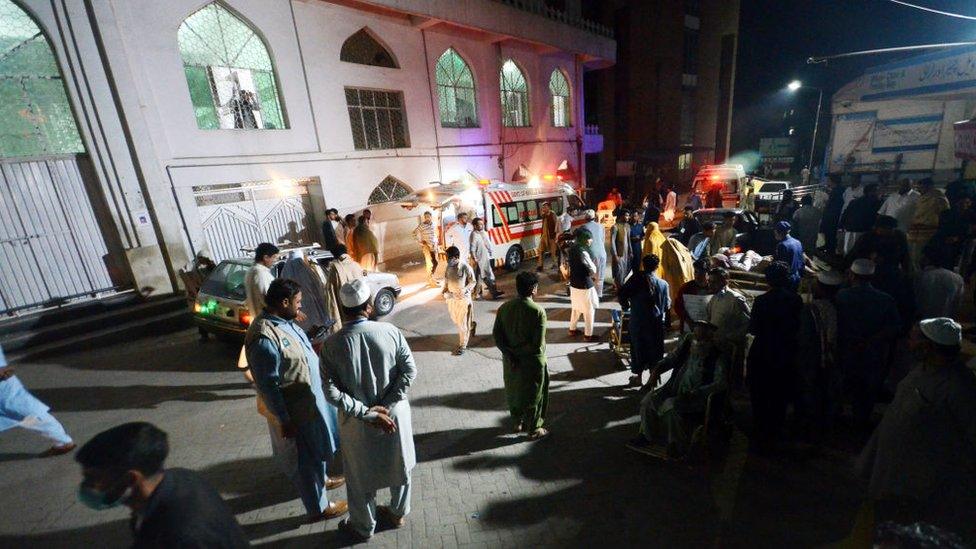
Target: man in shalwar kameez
459	282
19	408
287	376
369	370
483	260
698	369
520	334
341	270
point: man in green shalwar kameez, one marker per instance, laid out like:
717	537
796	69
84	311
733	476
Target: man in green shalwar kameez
520	334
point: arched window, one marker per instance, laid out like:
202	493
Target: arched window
229	71
561	105
35	113
363	49
455	92
515	96
389	190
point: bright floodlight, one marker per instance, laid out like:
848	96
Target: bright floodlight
794	85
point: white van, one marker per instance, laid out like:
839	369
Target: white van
510	210
730	179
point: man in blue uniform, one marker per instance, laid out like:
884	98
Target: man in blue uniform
286	374
789	251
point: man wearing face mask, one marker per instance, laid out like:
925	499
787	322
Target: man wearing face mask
170	507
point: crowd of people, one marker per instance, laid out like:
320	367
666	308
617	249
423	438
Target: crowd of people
879	310
884	314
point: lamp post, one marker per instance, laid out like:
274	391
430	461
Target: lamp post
795	86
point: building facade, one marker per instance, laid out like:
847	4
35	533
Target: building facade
665	107
139	134
897	119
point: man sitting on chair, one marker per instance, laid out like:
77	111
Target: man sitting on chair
671	411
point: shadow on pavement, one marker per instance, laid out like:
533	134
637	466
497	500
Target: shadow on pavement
177	352
85	399
16	456
250	484
109	534
461	442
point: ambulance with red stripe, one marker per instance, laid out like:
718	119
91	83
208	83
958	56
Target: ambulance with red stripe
511	211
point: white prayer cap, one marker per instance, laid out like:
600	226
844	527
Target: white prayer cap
863	267
830	278
943	331
355	293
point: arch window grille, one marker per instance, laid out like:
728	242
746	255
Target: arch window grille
363	49
229	72
456	91
390	189
35	111
561	104
515	96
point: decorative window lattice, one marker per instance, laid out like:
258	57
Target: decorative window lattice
229	72
389	190
363	49
377	118
515	96
456	92
35	113
561	104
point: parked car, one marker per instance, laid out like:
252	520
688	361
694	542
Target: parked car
750	233
220	309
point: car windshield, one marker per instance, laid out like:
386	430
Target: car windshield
772	187
227	281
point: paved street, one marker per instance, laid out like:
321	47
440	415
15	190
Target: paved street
475	485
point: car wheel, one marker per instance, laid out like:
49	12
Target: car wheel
383	302
513	258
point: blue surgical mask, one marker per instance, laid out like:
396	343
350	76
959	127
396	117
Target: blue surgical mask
100	501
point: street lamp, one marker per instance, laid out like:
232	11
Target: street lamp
795	86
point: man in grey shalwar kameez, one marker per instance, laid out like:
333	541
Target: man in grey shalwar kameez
369	368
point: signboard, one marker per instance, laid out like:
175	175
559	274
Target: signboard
965	139
951	71
776	146
916	133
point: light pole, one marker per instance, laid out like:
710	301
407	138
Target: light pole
795	86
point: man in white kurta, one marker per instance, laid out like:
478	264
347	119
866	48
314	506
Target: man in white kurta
459	236
368	369
259	277
459	281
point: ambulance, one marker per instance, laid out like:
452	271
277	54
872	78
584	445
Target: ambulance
511	211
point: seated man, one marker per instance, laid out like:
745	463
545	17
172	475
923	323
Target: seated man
699	243
672	410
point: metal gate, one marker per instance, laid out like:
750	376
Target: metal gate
245	214
51	247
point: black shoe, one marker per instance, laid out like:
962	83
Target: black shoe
474	326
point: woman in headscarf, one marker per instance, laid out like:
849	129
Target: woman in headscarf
653	239
366	247
348	226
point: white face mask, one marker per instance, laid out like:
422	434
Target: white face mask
453	261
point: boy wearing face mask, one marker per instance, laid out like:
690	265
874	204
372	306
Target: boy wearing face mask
170	507
459	281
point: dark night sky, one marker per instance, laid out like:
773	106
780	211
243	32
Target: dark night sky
777	36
